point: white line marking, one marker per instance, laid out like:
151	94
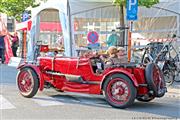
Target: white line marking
5	104
46	101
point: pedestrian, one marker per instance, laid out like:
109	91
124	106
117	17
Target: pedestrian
15	43
2	48
113	39
3	33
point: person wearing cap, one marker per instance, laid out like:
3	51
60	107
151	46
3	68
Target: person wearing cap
113	58
113	39
121	53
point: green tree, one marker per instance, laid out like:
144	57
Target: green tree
122	4
146	3
15	8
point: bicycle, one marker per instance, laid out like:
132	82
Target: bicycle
160	54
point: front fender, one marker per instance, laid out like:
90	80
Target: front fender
120	71
38	72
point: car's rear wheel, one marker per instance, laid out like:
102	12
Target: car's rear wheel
155	80
119	91
27	82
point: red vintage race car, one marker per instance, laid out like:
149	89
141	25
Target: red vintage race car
121	84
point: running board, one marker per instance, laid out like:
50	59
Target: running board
72	78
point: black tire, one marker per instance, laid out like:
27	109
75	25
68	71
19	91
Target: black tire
155	79
27	82
145	99
127	94
169	77
177	77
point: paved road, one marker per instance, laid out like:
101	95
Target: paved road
51	104
7	74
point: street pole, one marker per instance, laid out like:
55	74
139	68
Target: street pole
132	14
129	40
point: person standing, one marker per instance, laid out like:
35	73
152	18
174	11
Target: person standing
2	48
15	43
113	39
3	33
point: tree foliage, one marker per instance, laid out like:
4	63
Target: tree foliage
146	3
15	8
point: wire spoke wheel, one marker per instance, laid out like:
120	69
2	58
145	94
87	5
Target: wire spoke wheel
27	82
119	91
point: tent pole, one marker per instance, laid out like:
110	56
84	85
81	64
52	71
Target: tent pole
70	27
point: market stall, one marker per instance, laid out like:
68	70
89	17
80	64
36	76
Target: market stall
66	25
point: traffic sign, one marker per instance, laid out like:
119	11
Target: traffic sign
93	37
93	46
132	9
25	16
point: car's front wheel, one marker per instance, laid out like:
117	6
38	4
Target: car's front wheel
119	91
27	82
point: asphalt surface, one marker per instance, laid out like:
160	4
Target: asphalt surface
50	104
7	74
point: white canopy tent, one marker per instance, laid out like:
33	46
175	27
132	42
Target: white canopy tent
68	10
88	15
159	21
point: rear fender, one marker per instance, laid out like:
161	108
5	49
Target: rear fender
37	71
120	71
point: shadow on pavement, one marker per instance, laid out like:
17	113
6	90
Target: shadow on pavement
154	107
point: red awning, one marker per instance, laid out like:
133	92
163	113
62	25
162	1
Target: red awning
50	26
44	26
